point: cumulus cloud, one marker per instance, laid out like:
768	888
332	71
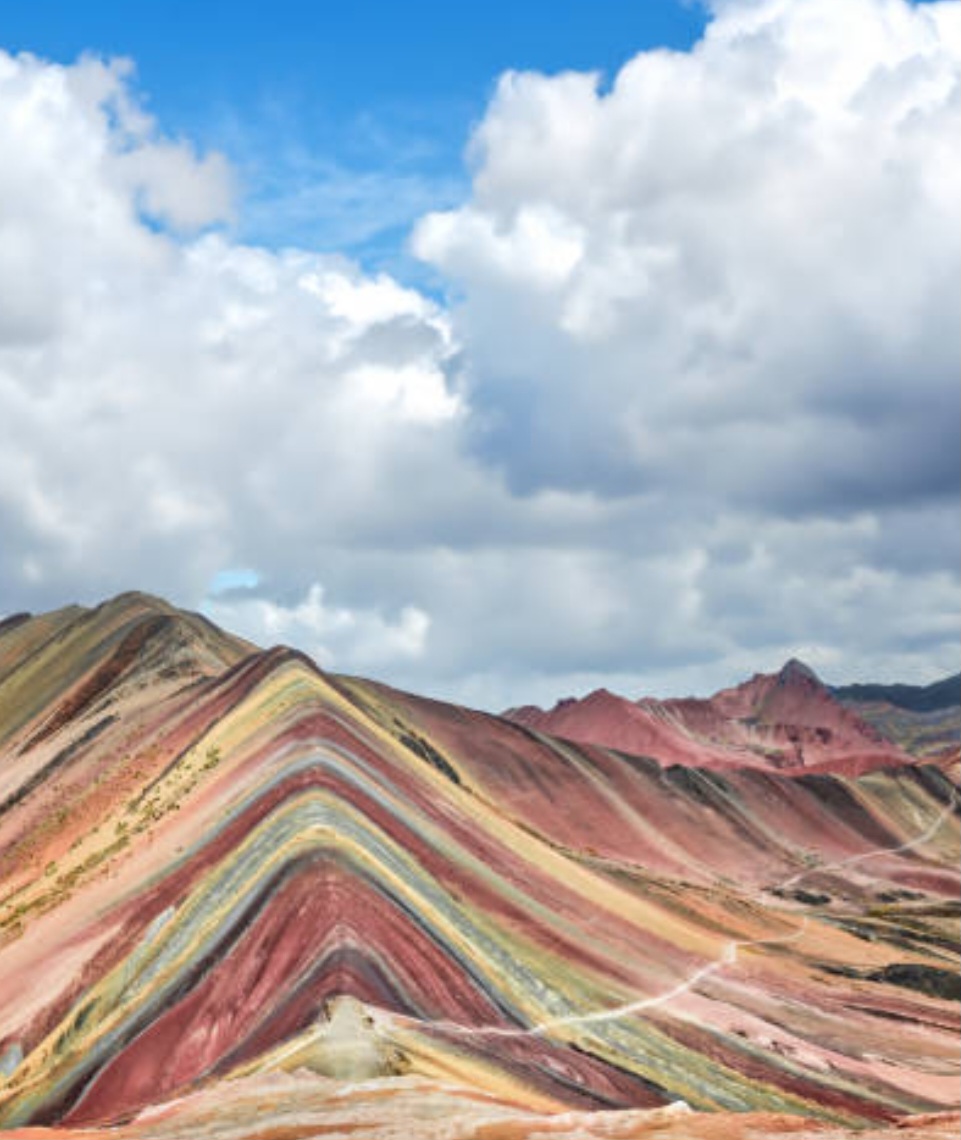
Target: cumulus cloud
734	272
173	404
329	633
692	407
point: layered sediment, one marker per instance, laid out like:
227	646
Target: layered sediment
230	882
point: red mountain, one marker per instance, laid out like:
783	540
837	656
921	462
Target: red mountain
788	721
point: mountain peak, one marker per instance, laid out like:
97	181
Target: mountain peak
795	670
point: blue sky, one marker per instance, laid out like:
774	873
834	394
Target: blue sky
345	121
657	391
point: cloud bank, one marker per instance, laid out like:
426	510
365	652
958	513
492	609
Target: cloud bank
692	406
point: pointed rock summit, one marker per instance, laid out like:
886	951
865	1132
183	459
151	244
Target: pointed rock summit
794	670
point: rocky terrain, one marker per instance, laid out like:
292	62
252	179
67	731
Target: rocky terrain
240	897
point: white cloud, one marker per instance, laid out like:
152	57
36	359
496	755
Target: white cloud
177	187
539	248
172	405
417	393
694	409
364	302
333	635
734	272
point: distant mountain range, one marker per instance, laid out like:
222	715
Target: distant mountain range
923	719
787	721
936	697
240	897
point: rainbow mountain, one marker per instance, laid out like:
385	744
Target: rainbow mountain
242	897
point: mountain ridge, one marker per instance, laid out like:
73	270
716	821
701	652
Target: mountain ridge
789	721
942	694
228	865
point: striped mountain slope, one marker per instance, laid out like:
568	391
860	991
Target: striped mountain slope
223	871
